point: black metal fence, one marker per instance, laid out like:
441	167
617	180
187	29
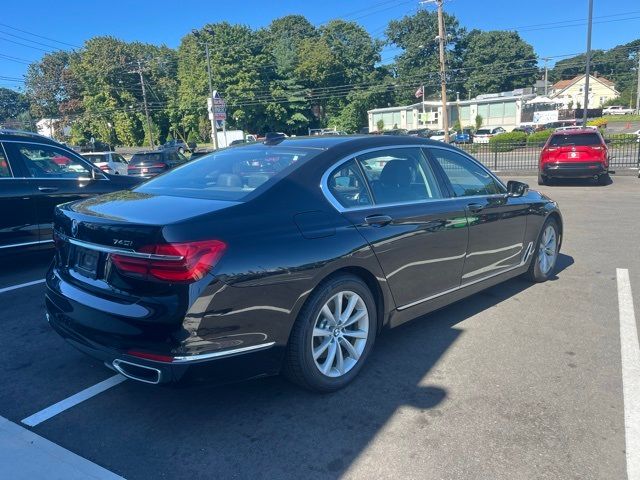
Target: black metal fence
624	153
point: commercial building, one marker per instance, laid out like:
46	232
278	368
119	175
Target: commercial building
496	109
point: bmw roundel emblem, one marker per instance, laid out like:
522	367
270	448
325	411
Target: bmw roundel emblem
74	228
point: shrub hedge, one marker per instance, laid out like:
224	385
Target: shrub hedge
505	142
539	137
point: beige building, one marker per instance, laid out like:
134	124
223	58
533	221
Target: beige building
570	93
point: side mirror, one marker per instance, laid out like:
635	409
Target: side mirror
516	189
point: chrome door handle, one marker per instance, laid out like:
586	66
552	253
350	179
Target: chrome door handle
378	220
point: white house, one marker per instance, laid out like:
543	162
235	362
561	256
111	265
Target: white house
52	127
570	93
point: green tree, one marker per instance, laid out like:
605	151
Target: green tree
498	61
418	63
12	104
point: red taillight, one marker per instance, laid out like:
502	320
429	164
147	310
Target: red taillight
150	356
105	168
164	262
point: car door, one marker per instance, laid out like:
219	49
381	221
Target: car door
497	222
18	221
419	237
58	176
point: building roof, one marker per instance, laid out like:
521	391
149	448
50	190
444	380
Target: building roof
562	84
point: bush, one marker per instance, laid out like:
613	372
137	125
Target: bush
505	142
621	139
539	137
598	122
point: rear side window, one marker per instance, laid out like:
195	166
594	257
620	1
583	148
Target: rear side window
578	140
466	177
230	174
5	172
348	187
96	158
399	176
146	158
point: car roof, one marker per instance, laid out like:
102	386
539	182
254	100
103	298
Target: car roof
97	153
21	135
575	131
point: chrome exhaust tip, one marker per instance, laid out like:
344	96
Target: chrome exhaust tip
135	371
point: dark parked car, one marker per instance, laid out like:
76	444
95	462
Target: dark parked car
152	163
36	174
574	152
288	256
420	132
180	146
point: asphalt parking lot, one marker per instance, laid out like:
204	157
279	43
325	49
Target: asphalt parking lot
521	381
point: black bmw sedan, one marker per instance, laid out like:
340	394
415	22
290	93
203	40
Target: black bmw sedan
289	256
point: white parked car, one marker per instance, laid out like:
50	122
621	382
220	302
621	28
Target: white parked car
109	162
484	134
439	135
617	110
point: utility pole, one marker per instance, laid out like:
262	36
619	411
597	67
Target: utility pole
146	107
443	71
588	69
214	130
638	87
546	76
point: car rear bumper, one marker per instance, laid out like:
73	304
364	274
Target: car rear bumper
177	352
574	169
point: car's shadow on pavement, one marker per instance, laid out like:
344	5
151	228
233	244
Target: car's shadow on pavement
268	428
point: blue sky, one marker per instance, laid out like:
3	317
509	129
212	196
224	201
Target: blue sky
161	22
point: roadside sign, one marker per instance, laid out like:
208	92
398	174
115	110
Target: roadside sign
217	108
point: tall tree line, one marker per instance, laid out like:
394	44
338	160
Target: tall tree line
289	76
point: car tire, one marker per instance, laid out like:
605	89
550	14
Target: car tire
604	179
542	180
539	270
304	368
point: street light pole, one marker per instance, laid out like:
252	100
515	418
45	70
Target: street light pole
588	68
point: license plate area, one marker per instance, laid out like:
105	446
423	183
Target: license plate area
86	262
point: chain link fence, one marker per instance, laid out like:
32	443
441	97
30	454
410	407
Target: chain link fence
624	153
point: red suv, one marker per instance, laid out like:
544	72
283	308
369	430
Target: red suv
574	153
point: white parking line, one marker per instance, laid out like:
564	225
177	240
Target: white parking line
630	351
72	401
25	455
22	285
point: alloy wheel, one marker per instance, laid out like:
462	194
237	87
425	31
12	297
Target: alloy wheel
548	250
340	334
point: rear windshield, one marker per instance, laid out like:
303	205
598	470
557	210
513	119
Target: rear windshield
483	131
96	158
146	158
231	174
579	140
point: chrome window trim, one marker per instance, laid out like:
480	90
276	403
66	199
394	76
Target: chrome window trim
119	251
523	262
77	155
24	244
6	158
324	182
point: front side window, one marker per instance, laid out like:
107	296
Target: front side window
399	175
5	172
466	177
43	161
230	174
348	187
